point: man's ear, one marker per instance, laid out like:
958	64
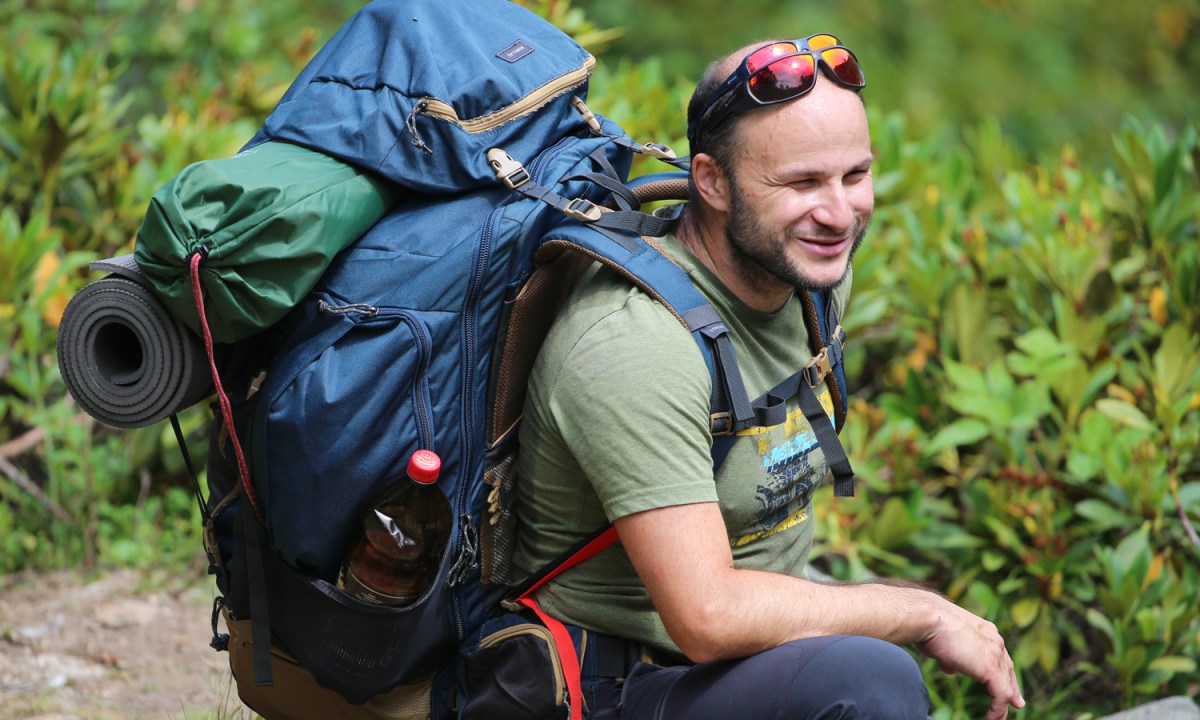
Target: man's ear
711	183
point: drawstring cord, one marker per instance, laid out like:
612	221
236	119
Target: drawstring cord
410	122
222	398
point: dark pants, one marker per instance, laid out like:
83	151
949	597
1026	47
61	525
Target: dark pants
825	678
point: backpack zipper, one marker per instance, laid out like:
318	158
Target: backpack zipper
424	347
529	102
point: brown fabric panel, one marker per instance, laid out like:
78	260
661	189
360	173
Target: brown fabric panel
297	696
532	313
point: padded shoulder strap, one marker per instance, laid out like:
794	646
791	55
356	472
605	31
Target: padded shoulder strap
646	267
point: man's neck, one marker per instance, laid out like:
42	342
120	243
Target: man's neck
708	242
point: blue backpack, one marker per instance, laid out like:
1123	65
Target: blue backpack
420	334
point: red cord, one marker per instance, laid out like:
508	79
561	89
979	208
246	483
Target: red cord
222	398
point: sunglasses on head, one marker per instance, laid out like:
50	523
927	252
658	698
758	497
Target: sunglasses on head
778	72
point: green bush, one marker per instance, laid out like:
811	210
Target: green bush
1024	337
1030	355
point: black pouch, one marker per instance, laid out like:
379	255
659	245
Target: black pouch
515	673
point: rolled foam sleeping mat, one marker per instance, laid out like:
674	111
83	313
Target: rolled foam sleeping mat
126	360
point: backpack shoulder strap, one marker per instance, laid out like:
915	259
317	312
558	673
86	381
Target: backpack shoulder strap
731	410
831	340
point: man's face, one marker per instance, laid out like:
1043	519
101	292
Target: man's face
801	190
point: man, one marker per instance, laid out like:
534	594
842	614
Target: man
708	579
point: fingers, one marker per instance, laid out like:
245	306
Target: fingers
998	710
1003	687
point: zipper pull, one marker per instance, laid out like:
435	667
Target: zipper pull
363	309
468	552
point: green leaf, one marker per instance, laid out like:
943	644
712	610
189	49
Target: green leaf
964	431
1125	414
1025	611
894	524
1173	664
1042	344
1103	513
965	377
992	561
1176	362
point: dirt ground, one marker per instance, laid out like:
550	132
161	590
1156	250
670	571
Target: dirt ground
113	647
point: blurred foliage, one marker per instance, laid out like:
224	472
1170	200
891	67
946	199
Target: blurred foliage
1024	333
1051	73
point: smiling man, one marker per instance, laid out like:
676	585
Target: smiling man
703	610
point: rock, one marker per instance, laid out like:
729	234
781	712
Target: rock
32	633
126	613
1172	708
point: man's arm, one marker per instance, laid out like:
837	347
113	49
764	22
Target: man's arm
714	611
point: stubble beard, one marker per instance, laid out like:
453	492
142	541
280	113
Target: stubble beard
760	256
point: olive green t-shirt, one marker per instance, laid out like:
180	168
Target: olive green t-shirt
617	422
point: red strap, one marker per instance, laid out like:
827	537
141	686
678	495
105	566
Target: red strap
593	548
222	398
566	655
562	639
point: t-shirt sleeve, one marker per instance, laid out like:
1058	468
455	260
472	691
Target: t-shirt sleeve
631	400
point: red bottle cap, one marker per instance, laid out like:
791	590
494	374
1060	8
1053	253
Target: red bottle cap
424	467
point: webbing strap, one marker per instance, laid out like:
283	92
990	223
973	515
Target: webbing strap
260	616
630	221
566	656
827	437
562	638
683	163
624	197
583	550
728	373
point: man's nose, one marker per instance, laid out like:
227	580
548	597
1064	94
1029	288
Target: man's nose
834	210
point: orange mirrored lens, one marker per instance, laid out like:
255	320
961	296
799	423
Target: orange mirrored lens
762	57
843	65
786	78
816	42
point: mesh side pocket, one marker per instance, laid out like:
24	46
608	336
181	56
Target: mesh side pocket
498	534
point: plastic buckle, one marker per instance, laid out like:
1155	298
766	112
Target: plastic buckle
508	171
588	116
720	423
583	210
819	364
658	150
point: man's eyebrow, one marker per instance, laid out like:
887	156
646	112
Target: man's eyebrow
864	164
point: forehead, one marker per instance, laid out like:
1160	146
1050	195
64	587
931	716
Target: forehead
828	125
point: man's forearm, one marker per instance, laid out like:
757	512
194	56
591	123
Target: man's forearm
738	612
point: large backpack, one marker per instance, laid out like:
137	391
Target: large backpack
421	333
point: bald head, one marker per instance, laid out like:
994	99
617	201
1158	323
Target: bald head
715	74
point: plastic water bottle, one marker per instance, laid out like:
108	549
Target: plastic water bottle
396	556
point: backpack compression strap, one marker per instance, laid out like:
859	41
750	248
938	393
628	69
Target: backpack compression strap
513	174
585	549
771	407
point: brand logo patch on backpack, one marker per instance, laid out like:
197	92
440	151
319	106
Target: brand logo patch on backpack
515	52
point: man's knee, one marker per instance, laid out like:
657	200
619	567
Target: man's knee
860	677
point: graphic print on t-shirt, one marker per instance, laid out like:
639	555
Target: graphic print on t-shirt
788	477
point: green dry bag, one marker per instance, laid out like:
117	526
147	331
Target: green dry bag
269	220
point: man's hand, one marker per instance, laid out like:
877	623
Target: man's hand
963	643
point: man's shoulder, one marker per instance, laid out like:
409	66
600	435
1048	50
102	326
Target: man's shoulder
607	307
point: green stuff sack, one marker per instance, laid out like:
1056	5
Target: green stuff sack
270	219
